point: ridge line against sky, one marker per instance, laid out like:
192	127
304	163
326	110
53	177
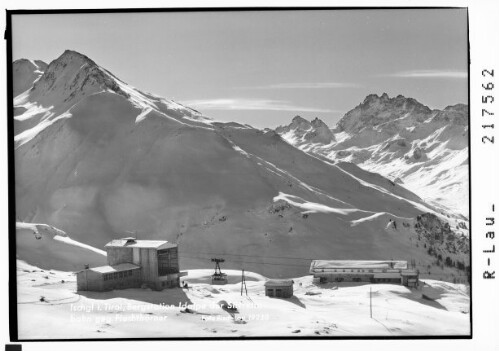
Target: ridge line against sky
264	67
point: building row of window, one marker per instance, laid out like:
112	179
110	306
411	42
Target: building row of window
117	275
356	270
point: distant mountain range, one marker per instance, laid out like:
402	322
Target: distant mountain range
422	149
100	159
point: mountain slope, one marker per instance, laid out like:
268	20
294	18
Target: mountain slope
25	73
424	150
98	158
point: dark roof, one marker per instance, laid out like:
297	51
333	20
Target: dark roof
279	282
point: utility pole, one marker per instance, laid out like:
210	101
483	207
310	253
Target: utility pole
243	281
371	301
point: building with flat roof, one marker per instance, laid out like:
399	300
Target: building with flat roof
279	288
134	263
395	272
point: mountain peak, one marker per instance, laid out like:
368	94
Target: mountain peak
376	110
315	131
299	119
319	123
70	75
71	55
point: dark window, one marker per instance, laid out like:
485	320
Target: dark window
278	292
168	261
270	292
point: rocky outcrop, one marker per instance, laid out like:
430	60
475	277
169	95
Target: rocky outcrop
315	131
438	235
376	110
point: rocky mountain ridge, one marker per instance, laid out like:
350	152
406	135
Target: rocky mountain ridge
402	139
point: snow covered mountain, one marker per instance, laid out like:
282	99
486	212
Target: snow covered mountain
99	159
424	150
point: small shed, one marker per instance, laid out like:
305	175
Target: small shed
279	288
410	278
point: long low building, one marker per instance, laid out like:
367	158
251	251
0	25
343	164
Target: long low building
395	272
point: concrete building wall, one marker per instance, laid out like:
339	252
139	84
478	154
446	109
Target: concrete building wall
149	266
169	281
273	291
117	255
88	280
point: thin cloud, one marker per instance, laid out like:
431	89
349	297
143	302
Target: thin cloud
316	85
430	74
239	104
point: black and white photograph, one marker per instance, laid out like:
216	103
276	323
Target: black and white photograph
241	173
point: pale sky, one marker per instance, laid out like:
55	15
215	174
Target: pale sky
265	67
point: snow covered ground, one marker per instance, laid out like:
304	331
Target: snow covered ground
49	307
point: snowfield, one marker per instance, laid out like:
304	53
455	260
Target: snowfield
315	310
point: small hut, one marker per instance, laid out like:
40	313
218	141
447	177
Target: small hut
279	288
